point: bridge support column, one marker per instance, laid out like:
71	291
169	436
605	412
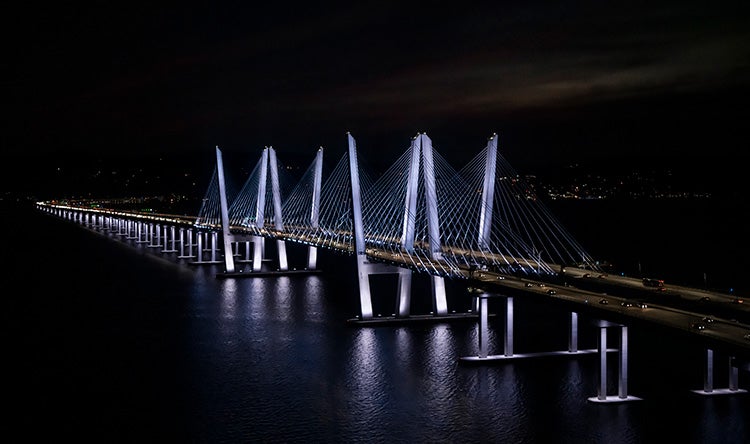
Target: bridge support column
199	238
708	378
147	227
573	333
155	236
474	305
312	257
173	236
258	248
601	388
139	232
365	269
365	298
192	240
622	386
214	246
733	375
207	243
281	250
403	299
508	348
247	251
439	301
183	244
708	372
479	306
483	331
622	356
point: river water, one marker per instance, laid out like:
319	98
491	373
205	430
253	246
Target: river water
113	342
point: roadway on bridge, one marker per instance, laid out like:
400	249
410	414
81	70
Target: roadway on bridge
725	319
659	307
720	319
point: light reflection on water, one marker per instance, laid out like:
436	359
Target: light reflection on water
366	382
439	362
314	309
228	297
257	292
286	368
273	360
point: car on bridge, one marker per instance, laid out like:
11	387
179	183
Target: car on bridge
652	282
551	292
698	326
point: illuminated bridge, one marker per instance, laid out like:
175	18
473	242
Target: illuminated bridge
482	224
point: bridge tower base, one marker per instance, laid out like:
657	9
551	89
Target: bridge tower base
481	305
211	248
622	386
708	378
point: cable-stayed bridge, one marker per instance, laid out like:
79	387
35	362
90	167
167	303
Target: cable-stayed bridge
481	223
421	214
439	219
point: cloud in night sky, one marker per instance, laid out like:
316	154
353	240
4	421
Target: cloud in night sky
179	79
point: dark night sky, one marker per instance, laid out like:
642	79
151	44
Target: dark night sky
558	82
